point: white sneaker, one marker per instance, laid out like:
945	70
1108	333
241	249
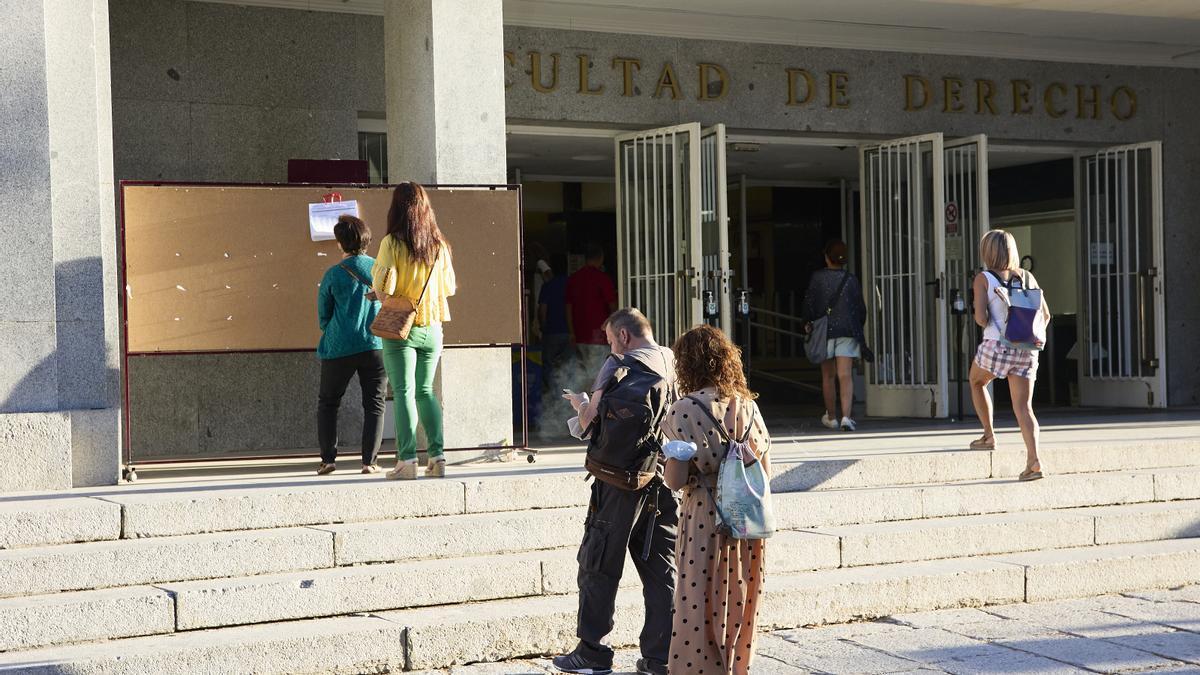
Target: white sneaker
827	422
848	424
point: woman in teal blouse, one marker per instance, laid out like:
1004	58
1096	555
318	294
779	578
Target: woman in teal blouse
346	306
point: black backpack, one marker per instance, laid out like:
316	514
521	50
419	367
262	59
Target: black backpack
625	440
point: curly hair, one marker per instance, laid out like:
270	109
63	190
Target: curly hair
704	357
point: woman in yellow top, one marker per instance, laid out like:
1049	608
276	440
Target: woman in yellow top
413	251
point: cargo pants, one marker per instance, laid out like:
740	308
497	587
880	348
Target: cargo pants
645	524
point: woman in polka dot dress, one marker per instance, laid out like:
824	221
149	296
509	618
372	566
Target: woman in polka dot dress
720	578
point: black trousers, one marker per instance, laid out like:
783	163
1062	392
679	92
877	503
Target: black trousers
644	523
335	377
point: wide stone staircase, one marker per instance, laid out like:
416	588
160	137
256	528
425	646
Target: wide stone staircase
352	574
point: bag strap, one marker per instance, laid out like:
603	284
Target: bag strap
733	405
352	274
838	293
708	413
432	269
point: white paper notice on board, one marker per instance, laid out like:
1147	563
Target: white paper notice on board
324	215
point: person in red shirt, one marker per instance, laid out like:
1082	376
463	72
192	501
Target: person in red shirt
591	298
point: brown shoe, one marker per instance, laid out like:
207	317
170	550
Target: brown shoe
403	471
326	469
983	443
1028	475
436	468
371	468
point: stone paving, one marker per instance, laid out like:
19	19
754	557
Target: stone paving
1154	632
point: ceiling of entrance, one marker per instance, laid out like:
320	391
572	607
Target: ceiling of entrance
1134	32
560	157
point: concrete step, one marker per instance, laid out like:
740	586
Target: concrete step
1115	568
54	519
193	509
438	637
1146	522
341	645
106	564
1172	484
455	536
366	588
86	615
822	508
905	467
962	536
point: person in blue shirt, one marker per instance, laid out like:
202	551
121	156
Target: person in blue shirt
552	319
346	306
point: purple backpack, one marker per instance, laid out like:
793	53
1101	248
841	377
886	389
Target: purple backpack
1024	328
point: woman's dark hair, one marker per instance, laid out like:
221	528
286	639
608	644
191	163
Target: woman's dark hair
352	234
836	251
704	357
410	219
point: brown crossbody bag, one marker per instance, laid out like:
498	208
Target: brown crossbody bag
396	316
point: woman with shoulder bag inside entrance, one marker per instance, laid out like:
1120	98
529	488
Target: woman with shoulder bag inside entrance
414	274
1012	336
720	552
833	304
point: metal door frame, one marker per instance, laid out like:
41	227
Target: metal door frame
898	398
1109	389
715	200
969	334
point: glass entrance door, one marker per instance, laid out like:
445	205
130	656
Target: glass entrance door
903	238
1122	339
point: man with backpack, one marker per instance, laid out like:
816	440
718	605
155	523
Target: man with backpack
630	509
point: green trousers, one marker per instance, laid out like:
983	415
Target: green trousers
411	365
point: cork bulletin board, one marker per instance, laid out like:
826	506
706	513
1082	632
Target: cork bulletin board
211	268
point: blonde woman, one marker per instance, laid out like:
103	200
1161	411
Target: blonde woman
1001	262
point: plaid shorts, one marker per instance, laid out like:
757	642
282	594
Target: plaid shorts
1002	361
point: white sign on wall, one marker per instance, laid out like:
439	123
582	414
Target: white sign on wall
324	215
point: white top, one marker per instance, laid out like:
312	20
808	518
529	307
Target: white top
997	309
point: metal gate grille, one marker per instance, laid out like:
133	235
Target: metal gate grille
902	262
967	218
1117	219
652	199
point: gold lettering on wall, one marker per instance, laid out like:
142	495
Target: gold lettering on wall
627	66
535	72
667	80
810	86
952	95
910	102
585	64
1052	108
1129	109
1087	106
839	97
984	91
1021	92
705	69
510	60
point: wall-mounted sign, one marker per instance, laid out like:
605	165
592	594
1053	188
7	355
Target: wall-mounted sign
584	74
951	217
